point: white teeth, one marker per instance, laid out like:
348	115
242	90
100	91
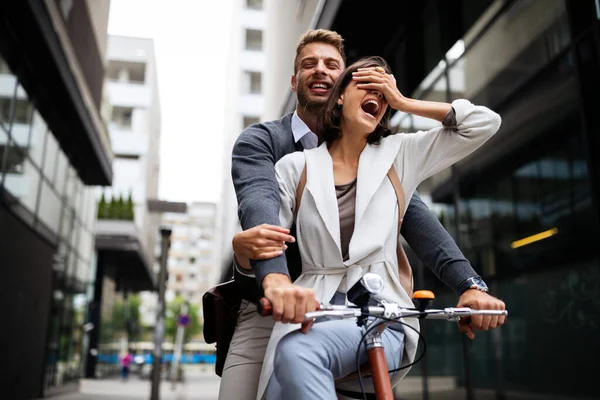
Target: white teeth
373	102
319	86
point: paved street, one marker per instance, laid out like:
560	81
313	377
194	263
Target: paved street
198	385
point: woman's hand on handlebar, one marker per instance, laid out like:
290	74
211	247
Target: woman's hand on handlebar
290	302
478	300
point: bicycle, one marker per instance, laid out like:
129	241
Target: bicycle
361	295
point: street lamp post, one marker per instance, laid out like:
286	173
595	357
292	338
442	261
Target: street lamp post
159	331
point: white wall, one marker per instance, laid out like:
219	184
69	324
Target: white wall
286	22
239	104
138	176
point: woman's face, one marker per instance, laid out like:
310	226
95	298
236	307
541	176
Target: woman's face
362	110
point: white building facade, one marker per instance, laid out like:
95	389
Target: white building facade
134	128
192	261
245	105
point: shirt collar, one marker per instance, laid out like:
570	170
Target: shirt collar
299	128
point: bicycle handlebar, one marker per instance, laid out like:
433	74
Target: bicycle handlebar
386	310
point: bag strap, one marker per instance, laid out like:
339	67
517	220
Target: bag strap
404	270
300	190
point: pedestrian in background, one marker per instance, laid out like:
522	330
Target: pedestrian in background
126	360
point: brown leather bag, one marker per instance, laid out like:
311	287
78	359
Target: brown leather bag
220	306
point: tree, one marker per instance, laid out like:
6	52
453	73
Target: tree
129	207
102	207
122	212
113	208
172	314
125	318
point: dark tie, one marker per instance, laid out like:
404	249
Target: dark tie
309	141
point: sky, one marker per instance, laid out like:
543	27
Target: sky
191	75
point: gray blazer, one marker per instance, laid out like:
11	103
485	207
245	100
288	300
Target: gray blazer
254	155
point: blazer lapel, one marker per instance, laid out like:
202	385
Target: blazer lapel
373	166
320	184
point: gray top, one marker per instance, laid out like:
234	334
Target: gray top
346	197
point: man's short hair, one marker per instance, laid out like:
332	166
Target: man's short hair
320	36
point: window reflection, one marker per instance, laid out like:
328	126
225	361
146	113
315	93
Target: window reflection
8	83
50	207
37	138
21	177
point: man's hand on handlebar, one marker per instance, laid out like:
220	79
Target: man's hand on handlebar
290	302
478	300
261	242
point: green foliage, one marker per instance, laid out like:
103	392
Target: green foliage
102	207
117	208
125	318
171	315
121	208
129	215
113	209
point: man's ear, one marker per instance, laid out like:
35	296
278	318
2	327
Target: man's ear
293	82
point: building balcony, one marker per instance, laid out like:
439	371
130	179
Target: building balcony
129	94
122	248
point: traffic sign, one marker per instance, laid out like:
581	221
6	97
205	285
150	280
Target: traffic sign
183	320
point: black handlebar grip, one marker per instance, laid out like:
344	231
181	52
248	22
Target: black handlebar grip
264	307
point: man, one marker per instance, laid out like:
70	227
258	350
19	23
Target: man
318	63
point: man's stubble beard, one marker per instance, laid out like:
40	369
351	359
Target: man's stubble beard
313	107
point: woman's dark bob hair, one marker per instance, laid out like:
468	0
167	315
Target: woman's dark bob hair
330	119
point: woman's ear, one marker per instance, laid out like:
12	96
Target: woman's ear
340	101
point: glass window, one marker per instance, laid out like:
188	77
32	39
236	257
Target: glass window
21	121
23	108
8	83
253	82
122	117
254	4
3	149
21	177
70	185
50	157
13	159
37	138
61	172
67	222
126	71
50	206
79	188
85	244
254	39
82	270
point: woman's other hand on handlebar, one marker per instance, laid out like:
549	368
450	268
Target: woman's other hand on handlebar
478	300
290	302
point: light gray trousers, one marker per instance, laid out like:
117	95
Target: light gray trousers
307	365
243	364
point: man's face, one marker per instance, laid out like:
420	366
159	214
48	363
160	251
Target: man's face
318	67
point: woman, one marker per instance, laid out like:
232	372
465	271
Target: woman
347	219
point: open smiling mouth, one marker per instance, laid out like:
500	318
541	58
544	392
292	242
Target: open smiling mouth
371	108
319	87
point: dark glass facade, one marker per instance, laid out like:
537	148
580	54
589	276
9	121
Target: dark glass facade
523	208
38	184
